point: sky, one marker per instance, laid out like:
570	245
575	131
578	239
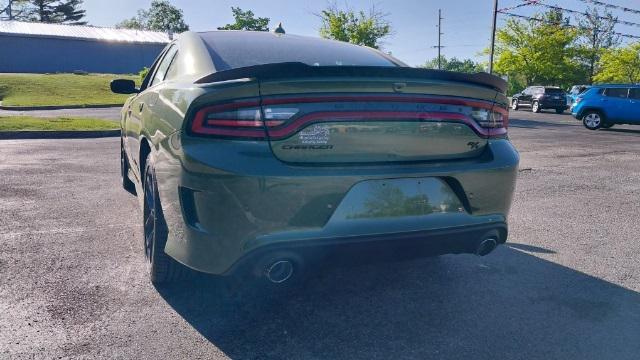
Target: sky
466	24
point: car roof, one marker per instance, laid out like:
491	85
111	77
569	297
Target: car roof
545	87
616	85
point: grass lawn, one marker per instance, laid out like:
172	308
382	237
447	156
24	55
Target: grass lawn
59	89
28	123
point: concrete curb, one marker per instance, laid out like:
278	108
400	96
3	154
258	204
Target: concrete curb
55	107
15	135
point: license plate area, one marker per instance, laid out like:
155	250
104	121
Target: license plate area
396	198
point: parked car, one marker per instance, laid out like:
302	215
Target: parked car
539	98
603	106
258	153
573	93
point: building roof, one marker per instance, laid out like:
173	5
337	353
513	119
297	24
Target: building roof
81	32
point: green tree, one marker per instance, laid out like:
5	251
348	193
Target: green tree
621	65
597	34
161	16
359	28
539	52
54	11
454	64
246	20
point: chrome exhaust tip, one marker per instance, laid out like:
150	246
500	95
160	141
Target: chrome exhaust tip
486	246
279	271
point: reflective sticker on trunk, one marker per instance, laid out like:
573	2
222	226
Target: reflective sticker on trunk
315	135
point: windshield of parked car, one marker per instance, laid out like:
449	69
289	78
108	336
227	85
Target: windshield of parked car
231	50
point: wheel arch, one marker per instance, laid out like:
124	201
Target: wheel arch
586	110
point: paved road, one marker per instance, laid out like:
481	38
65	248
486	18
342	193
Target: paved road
72	280
112	113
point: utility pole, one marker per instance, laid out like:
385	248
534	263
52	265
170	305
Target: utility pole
493	35
440	33
8	10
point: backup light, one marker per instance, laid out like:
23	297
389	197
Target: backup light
489	119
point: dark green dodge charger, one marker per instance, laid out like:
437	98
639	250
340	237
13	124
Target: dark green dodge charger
262	154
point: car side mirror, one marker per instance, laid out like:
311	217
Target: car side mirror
124	86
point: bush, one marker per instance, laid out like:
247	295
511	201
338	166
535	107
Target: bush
143	73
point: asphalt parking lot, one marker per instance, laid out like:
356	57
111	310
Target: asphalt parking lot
567	286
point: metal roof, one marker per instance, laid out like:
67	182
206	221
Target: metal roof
81	32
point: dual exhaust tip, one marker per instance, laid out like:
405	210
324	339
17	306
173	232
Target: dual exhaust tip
279	271
486	246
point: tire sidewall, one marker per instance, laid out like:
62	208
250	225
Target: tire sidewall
535	107
598	126
123	163
160	233
514	104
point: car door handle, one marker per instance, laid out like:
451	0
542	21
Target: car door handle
140	106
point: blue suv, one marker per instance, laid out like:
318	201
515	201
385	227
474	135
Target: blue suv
602	106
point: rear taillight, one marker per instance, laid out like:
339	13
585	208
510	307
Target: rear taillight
578	99
281	118
489	119
239	120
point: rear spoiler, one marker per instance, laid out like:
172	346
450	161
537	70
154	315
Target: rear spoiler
290	70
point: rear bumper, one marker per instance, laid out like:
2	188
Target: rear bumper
226	204
371	248
554	105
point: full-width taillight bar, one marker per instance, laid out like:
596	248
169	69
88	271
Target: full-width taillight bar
246	120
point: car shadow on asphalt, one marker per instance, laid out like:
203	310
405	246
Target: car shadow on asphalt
509	304
629	131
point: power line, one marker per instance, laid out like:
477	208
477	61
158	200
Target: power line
613	20
611	6
527	3
566	25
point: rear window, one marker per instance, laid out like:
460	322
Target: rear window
616	92
553	91
235	49
634	93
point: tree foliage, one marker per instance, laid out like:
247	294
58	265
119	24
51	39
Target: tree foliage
359	28
454	64
538	52
161	16
246	20
621	65
46	11
597	34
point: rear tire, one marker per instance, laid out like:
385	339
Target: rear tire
514	105
592	120
127	184
535	107
162	268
